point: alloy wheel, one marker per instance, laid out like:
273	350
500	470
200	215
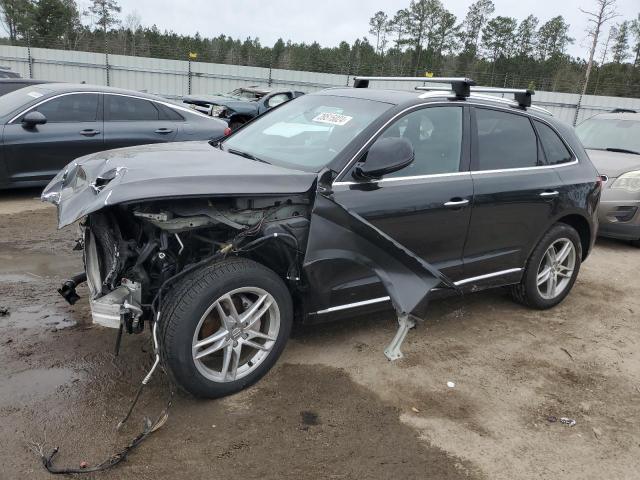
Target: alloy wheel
556	268
236	334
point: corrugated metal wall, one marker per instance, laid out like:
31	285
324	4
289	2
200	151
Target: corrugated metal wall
171	78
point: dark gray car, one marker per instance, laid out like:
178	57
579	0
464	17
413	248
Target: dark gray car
44	127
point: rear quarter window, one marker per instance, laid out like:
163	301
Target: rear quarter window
554	148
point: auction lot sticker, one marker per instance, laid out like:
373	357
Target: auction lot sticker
333	119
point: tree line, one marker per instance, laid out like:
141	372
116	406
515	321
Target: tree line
423	38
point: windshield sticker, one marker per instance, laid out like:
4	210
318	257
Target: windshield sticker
333	119
35	94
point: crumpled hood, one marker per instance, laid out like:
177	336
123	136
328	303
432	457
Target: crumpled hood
613	164
239	105
167	170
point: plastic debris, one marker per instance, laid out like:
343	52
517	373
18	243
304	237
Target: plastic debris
415	410
451	384
568	421
552	419
4	311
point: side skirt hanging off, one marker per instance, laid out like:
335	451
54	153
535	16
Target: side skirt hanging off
338	233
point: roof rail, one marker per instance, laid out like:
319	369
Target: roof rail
459	85
521	95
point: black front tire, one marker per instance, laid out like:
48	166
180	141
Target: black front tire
527	292
190	299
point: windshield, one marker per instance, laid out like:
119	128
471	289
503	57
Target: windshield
306	133
13	101
603	133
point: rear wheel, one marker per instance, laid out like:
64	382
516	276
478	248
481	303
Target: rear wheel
551	270
225	326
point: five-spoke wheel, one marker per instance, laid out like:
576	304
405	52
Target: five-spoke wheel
235	334
224	326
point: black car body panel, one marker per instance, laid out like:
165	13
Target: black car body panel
84	119
474	226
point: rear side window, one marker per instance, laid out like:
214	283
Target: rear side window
121	108
554	148
436	136
80	107
168	113
505	140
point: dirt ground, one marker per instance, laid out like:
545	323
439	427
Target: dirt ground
333	407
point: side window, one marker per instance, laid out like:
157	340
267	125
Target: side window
505	140
81	107
436	136
121	108
168	113
554	148
277	100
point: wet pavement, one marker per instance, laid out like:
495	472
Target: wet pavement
333	407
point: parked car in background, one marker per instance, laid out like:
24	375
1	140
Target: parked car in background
240	105
44	127
613	143
8	85
6	72
337	203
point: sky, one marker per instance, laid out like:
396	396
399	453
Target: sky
330	21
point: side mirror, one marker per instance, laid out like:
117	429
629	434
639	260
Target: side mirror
33	118
386	155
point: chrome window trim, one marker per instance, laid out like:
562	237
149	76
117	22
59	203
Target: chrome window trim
369	142
166	104
456	174
372	301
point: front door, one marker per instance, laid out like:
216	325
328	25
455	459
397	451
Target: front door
73	129
425	207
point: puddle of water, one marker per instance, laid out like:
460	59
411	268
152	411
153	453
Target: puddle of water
33	384
25	266
37	316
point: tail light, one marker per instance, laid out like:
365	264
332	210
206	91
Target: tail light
227	132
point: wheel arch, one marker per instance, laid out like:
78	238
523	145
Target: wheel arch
582	226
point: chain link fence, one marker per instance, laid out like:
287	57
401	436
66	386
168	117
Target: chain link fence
175	78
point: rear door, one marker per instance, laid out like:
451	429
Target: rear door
425	207
73	129
515	193
135	121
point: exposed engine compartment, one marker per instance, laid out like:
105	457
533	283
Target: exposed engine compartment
131	250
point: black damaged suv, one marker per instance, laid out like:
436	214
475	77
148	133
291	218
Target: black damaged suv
332	204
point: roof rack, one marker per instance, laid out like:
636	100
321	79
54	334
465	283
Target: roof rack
521	95
459	85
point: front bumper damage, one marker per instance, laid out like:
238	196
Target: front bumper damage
118	307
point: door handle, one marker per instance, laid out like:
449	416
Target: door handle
457	203
550	193
89	132
164	130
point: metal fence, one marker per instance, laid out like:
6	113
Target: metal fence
176	78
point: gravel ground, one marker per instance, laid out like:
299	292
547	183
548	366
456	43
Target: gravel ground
333	407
